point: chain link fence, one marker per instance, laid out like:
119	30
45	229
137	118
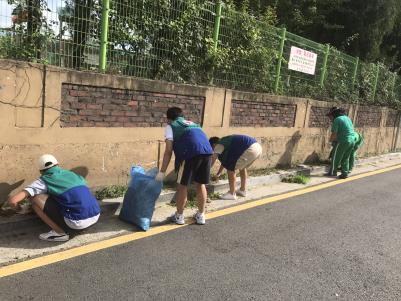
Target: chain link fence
186	41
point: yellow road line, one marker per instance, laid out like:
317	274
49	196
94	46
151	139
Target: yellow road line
93	247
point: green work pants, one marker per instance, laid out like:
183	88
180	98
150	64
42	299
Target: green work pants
341	157
357	145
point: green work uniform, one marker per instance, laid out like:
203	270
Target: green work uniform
358	143
346	138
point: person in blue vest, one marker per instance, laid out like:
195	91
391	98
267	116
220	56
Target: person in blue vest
61	199
193	153
235	152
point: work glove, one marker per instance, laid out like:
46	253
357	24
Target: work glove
160	176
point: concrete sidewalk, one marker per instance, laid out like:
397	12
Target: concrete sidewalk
18	243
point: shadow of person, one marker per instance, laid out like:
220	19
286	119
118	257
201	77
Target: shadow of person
312	158
5	189
83	171
290	148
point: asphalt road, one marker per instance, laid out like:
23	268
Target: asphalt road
341	243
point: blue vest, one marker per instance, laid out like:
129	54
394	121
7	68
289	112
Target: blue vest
73	197
234	147
188	141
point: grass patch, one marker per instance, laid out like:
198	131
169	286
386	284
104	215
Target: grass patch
111	192
214	195
298	179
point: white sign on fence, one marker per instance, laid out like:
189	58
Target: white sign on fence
302	60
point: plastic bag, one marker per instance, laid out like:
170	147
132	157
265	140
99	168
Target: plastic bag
140	198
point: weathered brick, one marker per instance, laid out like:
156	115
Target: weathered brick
259	114
94	106
98	106
78	105
130	113
87	112
102	124
86	124
95	118
118	113
110	118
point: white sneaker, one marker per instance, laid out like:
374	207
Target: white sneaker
241	193
177	218
200	218
228	196
54	236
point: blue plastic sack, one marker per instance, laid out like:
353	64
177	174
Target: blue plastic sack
140	198
136	169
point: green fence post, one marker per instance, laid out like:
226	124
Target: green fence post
324	67
355	71
376	80
216	32
278	70
217	25
104	35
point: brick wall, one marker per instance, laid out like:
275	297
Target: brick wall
368	117
88	106
392	118
261	114
318	118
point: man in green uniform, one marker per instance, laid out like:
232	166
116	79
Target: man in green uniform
342	131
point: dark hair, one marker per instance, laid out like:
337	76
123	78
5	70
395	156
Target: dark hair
173	113
214	140
336	112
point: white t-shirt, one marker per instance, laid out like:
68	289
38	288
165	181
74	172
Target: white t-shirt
39	187
168	133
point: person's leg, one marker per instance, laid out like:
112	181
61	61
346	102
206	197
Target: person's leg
245	161
351	160
243	175
345	160
338	155
183	180
201	196
231	181
201	175
181	198
38	205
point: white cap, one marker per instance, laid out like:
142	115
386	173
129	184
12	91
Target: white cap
47	161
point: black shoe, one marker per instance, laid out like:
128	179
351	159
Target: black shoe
343	176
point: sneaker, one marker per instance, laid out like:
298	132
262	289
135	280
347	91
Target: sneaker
200	218
54	236
228	196
177	218
241	193
343	176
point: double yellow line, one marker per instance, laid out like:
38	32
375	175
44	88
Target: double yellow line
93	247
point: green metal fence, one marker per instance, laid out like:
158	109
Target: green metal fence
186	41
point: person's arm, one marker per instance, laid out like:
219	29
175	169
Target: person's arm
334	130
214	158
168	152
220	171
19	197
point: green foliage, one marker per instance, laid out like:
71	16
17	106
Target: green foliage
111	192
298	179
172	40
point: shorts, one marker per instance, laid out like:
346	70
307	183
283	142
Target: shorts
196	169
249	156
52	210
